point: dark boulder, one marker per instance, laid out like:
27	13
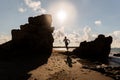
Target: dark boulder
32	39
117	55
97	50
29	48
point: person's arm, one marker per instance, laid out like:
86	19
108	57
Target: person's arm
68	40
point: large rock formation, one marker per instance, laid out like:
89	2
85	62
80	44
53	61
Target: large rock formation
97	50
32	39
30	47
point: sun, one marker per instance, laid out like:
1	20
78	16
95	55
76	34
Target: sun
62	15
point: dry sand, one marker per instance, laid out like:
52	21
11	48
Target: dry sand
57	69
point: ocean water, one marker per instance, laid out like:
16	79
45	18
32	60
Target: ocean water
115	50
114	61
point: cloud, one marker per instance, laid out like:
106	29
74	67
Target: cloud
58	36
116	39
98	22
116	34
75	37
85	34
4	38
86	31
35	5
21	10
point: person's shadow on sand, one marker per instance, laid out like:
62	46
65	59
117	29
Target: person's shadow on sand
68	59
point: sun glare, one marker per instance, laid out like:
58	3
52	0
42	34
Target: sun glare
62	15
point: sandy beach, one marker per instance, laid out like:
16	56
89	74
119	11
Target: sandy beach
57	68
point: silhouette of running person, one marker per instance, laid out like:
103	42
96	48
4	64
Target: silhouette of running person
67	41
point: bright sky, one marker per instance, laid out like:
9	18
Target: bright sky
81	18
